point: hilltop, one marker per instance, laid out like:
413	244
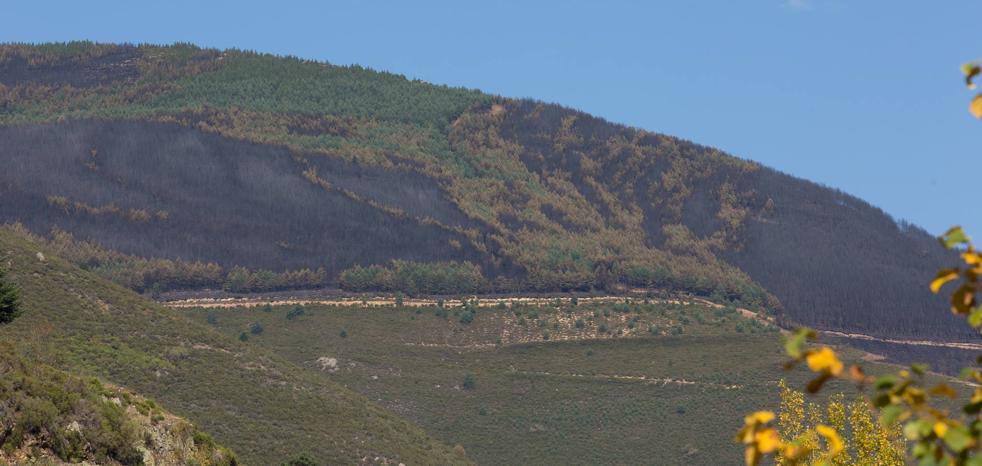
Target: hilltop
178	167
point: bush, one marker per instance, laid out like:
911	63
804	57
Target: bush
467	317
297	311
256	328
580	323
470	381
302	460
243	336
343	334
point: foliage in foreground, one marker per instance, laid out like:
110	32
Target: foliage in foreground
938	436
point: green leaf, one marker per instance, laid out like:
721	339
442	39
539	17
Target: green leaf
975	318
912	430
958	438
885	382
955	235
919	369
966	373
890	414
793	345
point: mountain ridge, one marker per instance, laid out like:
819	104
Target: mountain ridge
537	196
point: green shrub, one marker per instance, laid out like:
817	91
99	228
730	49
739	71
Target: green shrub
470	381
256	328
580	323
302	460
294	313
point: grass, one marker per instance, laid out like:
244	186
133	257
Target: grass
578	398
262	406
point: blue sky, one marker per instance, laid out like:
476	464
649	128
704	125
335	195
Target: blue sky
861	95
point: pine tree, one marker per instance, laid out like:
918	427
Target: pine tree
9	302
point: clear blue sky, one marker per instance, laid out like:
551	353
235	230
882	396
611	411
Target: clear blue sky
862	95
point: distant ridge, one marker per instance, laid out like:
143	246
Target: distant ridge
248	162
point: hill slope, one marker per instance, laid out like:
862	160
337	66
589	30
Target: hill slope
265	408
225	159
51	417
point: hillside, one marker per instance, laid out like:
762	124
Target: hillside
260	405
51	417
554	382
178	167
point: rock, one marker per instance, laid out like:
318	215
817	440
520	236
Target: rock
327	364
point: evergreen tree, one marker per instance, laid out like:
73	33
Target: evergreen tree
9	302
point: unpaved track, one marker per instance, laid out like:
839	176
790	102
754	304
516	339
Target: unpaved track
382	301
389	301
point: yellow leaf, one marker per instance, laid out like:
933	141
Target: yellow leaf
940	428
972	257
943	277
767	440
976	106
831	437
760	417
825	360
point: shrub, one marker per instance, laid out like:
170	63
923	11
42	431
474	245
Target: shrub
580	323
467	317
470	381
243	336
343	334
256	328
294	313
302	460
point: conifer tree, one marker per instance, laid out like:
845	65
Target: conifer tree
9	302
